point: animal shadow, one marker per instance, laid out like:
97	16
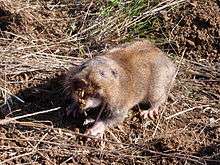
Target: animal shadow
42	97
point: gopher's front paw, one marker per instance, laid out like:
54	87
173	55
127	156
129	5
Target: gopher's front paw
97	130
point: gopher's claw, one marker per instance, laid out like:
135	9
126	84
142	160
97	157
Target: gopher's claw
152	113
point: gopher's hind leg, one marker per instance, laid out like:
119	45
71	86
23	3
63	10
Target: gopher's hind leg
161	82
153	111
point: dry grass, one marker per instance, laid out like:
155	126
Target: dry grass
41	39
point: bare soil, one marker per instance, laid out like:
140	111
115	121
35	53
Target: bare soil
188	130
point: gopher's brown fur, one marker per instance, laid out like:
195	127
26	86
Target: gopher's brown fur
122	78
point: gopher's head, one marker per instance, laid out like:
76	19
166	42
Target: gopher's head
92	82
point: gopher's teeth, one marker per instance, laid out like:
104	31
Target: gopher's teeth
82	94
84	81
82	103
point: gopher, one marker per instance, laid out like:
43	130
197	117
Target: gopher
120	79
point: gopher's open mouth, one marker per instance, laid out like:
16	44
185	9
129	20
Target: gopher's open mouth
83	95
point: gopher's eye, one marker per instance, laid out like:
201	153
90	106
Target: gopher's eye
102	73
114	73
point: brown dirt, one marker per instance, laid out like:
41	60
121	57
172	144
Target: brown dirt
190	33
196	27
